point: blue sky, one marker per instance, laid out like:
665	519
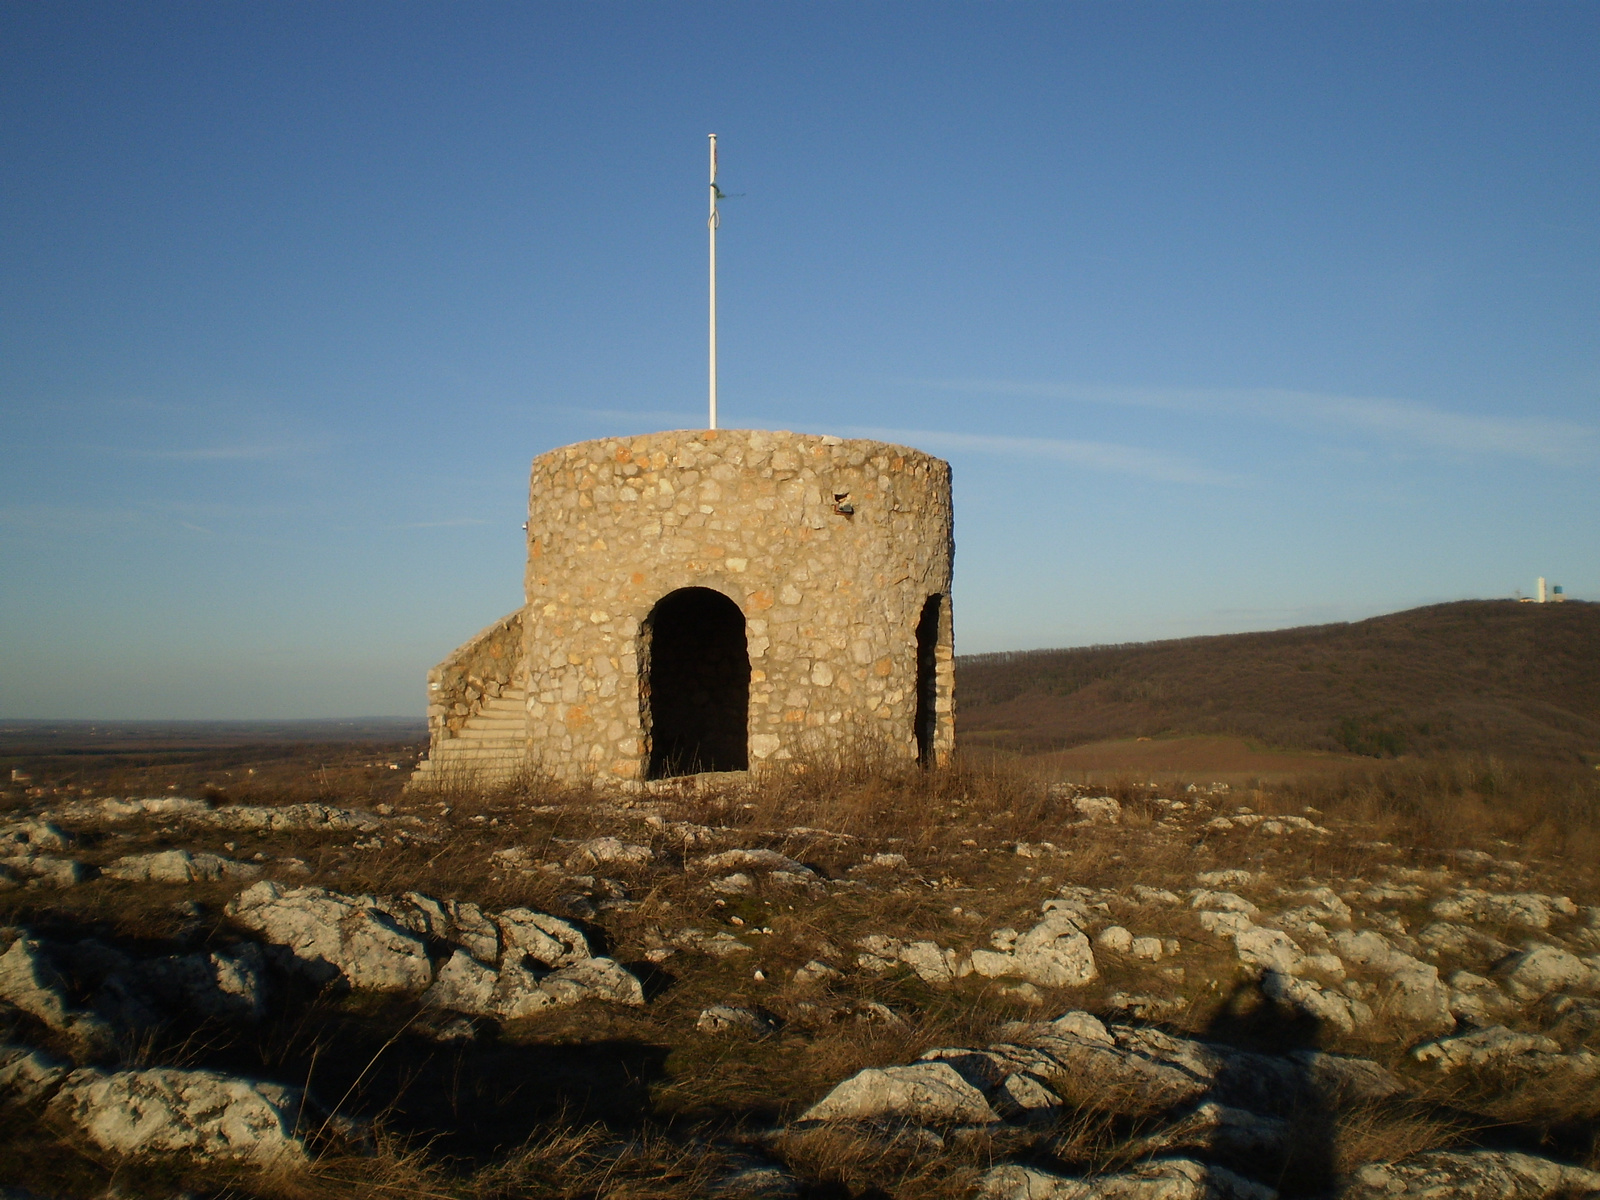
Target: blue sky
1228	316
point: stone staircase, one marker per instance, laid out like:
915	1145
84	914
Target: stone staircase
490	749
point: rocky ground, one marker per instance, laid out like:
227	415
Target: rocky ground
970	983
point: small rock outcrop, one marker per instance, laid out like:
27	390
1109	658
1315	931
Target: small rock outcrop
508	965
927	1093
179	866
1054	953
202	1115
1164	1179
28	1075
729	1018
328	936
1472	1175
30	981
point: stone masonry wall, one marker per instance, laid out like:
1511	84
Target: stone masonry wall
482	667
829	547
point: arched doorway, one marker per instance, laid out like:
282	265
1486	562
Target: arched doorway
696	673
927	719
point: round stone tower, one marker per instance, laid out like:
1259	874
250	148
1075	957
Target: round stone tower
713	600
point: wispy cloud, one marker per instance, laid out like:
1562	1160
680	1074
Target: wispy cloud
1394	421
80	520
246	452
665	418
1097	456
53	518
440	524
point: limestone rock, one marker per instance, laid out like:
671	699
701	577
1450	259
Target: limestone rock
32	837
1098	810
29	981
280	818
466	985
1150	949
927	1093
1217	1127
1507	1052
1462	941
749	1178
202	1115
1344	1013
1326	902
593	979
1478	1001
718	943
1145	894
1115	937
608	851
1222	902
886	862
1164	1179
815	973
753	860
328	936
1148	1068
1054	953
1572	1020
1224	924
110	808
1023	1096
45	869
1269	950
223	985
1150	1071
1228	877
28	1075
517	992
551	940
477	931
179	866
1531	910
932	963
1541	970
1417	995
1470	1175
292	817
463	984
728	1018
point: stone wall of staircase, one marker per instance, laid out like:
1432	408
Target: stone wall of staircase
479	671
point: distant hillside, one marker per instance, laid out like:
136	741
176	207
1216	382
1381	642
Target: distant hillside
1490	676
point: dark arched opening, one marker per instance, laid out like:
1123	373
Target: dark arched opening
927	721
696	695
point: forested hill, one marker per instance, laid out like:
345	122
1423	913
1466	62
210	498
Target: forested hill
1490	676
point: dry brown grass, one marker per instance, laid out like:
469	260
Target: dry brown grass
1444	803
598	1101
1368	1133
865	1162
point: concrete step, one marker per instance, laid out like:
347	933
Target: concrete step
473	763
490	748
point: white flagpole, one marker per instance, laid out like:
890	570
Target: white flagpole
711	224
